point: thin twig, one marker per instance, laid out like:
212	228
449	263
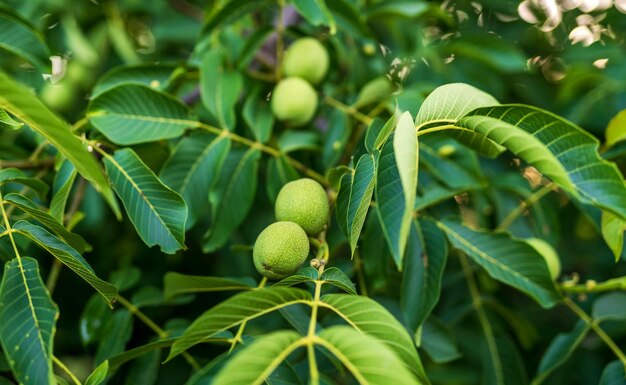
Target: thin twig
526	203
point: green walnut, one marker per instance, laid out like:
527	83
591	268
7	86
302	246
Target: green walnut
306	58
280	249
294	101
549	254
304	202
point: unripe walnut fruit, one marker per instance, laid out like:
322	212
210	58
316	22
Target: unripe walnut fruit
280	250
294	101
304	202
306	58
549	254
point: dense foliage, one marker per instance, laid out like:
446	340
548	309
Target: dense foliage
458	193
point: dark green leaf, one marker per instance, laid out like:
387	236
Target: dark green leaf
317	13
219	89
176	284
258	116
307	274
614	374
338	278
19	37
438	341
115	335
360	198
560	350
61	188
13	175
610	307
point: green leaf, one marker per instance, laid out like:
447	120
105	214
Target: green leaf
193	168
93	318
369	317
438	341
405	149
448	171
20	102
338	278
343	200
560	350
279	173
232	196
613	232
131	114
176	284
258	116
8	122
375	91
502	362
153	75
157	212
61	188
367	359
616	130
317	13
228	12
378	133
13	175
448	103
292	140
256	362
219	89
98	375
240	308
360	198
307	274
115	335
23	203
557	148
506	259
27	322
425	261
499	54
68	256
610	307
19	37
613	374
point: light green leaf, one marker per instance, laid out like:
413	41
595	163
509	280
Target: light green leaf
239	308
378	133
98	375
23	203
153	75
506	259
219	89
317	13
193	168
616	130
560	350
131	114
157	212
338	278
613	232
255	363
21	103
367	359
67	255
19	37
557	148
360	198
376	90
13	175
27	322
176	284
369	317
232	196
61	188
8	122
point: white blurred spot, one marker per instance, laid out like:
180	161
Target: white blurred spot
620	5
58	68
600	63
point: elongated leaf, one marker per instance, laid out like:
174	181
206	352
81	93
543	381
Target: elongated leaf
448	103
616	129
219	89
258	116
307	274
67	255
426	257
343	200
148	74
338	278
369	317
360	198
557	148
613	232
13	175
115	335
176	284
193	168
378	133
292	140
21	103
369	361
449	172
157	212
19	37
438	341
235	310
317	13
232	196
560	350
61	188
98	375
27	322
506	259
279	173
405	149
255	363
8	122
131	113
392	205
502	362
23	203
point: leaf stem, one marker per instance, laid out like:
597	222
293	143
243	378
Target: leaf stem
592	286
7	225
314	372
67	371
237	338
526	203
596	328
477	303
27	163
358	267
134	310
